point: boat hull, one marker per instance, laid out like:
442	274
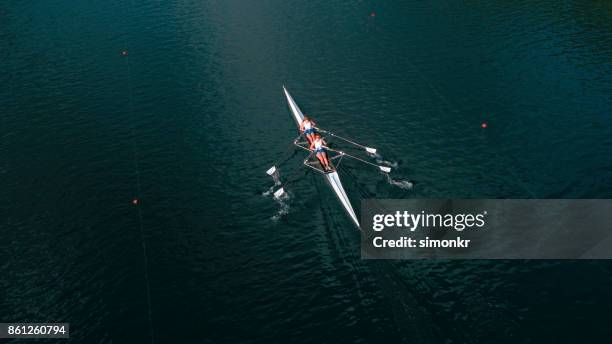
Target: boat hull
334	181
332	178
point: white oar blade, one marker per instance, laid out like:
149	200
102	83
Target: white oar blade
278	193
370	150
385	169
271	170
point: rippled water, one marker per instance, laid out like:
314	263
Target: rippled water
188	122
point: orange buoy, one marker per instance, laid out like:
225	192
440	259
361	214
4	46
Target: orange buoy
373	14
124	53
135	201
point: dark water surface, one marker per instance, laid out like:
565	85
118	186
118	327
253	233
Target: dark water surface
191	118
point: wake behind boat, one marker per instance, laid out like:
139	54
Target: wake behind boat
336	156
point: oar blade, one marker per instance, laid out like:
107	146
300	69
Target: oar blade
370	150
271	170
385	169
278	193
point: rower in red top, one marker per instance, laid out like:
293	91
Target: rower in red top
308	127
318	146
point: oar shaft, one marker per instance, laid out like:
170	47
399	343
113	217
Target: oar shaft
354	157
342	138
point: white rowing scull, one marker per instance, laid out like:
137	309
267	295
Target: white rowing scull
311	161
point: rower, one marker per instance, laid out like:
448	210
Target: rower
308	127
318	146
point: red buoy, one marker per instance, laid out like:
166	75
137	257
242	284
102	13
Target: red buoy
484	125
135	201
373	14
124	53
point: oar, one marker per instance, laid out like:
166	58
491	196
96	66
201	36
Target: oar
382	168
278	193
280	162
368	149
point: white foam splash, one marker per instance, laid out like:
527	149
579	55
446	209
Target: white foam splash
402	184
380	160
393	164
282	211
283	201
269	192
